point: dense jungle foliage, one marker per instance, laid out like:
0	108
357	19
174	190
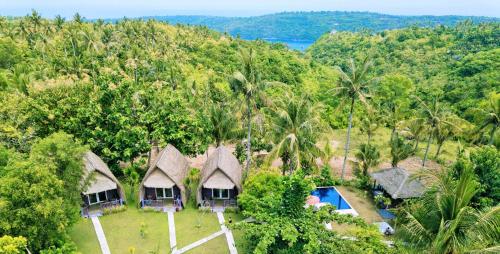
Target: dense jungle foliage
457	64
309	26
117	89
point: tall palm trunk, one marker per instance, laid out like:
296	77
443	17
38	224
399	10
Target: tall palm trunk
427	148
439	149
249	133
348	139
492	134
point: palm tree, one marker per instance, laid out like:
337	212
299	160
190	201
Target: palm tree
443	221
435	117
400	149
223	123
490	116
367	157
415	128
370	122
295	127
354	85
247	82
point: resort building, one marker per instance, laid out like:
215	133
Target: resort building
220	181
162	186
102	188
398	183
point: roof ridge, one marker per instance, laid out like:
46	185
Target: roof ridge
406	175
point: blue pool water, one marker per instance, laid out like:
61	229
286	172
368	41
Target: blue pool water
330	195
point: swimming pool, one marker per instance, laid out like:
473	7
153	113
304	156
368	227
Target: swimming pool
332	196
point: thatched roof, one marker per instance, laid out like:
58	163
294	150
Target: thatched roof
168	169
102	178
398	183
221	170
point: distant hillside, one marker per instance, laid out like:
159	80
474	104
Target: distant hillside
309	26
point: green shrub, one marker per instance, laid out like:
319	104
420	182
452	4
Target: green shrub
148	209
114	209
204	209
231	210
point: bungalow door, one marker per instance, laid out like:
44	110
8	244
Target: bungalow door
220	193
163	193
99	197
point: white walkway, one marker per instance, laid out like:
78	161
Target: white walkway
229	234
100	235
171	232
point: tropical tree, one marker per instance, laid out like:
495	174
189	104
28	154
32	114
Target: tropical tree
393	96
354	85
443	221
295	127
370	122
367	157
224	126
436	117
247	82
490	116
400	149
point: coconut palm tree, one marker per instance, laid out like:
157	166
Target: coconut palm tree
367	157
354	85
400	149
247	81
490	115
443	221
435	117
370	122
223	123
295	128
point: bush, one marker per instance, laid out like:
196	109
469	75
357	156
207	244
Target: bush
325	177
150	210
114	209
231	210
191	182
204	209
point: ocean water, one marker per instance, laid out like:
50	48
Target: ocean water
292	44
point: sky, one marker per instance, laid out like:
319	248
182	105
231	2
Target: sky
135	8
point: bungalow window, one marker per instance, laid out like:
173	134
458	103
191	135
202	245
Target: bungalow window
95	198
164	193
220	193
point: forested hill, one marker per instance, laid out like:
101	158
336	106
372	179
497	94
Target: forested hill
309	26
456	64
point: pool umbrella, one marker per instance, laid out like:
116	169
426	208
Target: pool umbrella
312	200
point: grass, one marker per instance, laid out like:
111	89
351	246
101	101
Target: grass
217	245
360	202
192	225
83	235
238	234
123	231
381	140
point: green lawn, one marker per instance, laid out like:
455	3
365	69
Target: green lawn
83	235
123	231
192	225
217	245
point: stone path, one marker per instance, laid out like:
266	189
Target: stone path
171	232
100	235
229	234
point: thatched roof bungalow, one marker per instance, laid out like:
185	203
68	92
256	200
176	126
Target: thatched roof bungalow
164	179
102	185
220	177
398	183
